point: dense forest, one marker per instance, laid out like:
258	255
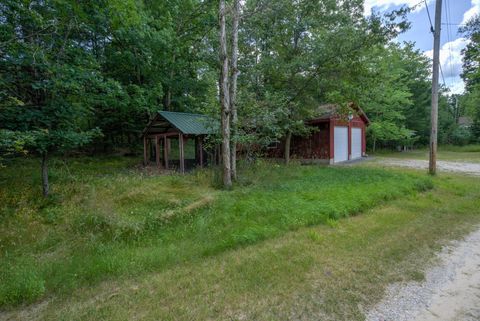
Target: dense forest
88	75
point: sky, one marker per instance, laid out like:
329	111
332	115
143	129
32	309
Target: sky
454	12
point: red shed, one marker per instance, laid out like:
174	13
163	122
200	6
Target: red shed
338	136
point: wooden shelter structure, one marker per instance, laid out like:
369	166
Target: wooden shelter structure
167	127
338	136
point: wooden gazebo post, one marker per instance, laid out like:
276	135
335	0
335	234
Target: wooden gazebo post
157	151
145	150
166	126
182	153
165	151
200	150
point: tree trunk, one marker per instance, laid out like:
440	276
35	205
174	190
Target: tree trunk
45	185
233	87
374	144
224	99
288	140
167	99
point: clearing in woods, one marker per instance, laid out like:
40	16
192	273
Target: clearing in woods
119	265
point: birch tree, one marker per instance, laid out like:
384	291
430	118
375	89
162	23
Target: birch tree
233	87
224	98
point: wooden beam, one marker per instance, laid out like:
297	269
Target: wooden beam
364	143
331	141
165	151
349	139
152	135
197	156
200	150
182	153
157	151
145	161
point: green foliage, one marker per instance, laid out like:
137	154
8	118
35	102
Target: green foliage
117	62
461	136
471	58
110	64
107	66
397	99
47	82
471	74
299	55
13	142
108	220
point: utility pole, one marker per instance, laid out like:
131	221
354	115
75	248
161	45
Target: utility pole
434	117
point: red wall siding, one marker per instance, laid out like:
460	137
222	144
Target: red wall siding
314	146
319	145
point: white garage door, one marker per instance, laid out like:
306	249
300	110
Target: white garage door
340	144
356	143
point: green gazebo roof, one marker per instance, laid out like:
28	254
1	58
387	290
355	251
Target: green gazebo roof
186	123
189	124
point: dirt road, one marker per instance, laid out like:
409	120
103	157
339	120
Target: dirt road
446	166
450	292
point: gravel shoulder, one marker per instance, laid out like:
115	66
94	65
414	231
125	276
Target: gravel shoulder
445	166
450	292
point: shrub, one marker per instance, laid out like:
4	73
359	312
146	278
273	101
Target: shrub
461	136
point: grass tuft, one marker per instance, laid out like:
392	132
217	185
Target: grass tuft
23	285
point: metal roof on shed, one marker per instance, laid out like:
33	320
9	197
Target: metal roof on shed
328	111
189	124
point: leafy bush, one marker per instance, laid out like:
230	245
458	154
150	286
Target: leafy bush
461	136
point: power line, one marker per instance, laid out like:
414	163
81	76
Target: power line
429	17
413	7
432	30
449	37
441	72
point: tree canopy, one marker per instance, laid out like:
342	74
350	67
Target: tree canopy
471	74
91	73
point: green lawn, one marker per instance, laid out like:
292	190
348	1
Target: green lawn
118	243
469	153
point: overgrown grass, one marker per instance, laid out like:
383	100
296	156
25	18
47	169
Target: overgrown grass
325	272
107	219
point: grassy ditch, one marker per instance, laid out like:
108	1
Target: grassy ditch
107	220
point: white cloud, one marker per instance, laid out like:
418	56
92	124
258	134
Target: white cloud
451	56
380	5
458	86
474	10
451	62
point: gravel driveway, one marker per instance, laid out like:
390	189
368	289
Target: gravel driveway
446	166
451	291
